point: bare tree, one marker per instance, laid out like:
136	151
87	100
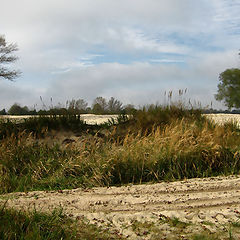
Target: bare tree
7	57
77	106
81	105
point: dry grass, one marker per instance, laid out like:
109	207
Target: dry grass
183	148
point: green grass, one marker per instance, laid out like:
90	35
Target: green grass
16	225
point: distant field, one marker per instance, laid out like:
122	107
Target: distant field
222	118
98	119
88	118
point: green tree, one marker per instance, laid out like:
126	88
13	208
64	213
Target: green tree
3	112
99	105
16	109
229	88
7	57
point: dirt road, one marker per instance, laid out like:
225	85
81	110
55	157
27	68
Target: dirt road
211	202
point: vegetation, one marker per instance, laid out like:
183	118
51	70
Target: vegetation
73	107
229	88
19	224
157	143
16	109
6	57
34	225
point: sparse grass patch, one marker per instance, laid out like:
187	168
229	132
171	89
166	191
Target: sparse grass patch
236	224
204	236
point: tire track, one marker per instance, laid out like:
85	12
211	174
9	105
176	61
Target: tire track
216	200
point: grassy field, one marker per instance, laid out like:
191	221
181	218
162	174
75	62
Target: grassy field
156	143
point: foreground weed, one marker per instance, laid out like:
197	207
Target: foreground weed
34	225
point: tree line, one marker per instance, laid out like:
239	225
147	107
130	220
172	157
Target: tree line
100	106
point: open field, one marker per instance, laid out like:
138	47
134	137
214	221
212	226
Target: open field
99	119
88	118
91	173
221	118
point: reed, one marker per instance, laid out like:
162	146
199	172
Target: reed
183	147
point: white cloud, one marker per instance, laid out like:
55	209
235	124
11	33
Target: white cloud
10	94
167	61
72	48
143	82
135	40
227	15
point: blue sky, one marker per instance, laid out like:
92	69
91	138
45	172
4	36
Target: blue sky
133	50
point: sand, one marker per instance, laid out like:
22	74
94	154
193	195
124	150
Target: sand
214	200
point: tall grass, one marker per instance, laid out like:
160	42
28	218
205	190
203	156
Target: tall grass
148	147
158	115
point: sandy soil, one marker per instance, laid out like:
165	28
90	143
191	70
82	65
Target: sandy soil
212	200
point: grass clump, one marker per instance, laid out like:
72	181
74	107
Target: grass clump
156	115
16	224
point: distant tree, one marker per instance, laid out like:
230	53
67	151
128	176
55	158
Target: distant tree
81	105
77	106
16	109
229	88
99	105
88	110
32	112
114	105
129	109
7	57
3	112
71	106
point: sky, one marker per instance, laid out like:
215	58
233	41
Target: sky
133	50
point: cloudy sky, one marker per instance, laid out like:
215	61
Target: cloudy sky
133	50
